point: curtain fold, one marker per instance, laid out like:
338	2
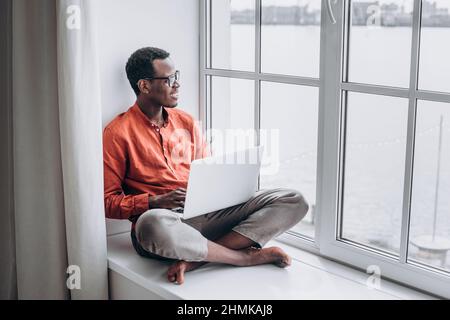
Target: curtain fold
41	255
81	146
58	213
8	287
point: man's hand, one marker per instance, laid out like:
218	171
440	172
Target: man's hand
173	199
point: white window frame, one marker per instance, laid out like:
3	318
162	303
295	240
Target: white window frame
333	89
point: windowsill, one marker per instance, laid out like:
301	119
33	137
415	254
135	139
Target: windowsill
309	277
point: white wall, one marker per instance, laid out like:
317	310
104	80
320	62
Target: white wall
125	26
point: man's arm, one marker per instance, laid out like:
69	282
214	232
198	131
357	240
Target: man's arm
117	204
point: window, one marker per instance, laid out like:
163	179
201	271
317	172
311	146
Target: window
258	76
379	46
366	139
434	65
374	169
430	208
293	111
290	37
233	48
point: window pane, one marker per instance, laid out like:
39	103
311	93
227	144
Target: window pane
292	111
233	34
232	112
290	37
380	42
430	210
374	170
434	50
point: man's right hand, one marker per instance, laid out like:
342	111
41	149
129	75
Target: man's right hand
173	199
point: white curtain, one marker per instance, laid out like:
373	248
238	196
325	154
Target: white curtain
57	219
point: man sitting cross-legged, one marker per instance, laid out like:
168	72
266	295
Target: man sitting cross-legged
147	156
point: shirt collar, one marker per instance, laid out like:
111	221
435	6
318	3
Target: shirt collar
142	115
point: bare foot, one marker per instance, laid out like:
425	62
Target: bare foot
175	273
272	255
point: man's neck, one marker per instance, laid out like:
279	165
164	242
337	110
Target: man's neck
153	112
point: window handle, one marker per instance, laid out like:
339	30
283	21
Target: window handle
330	10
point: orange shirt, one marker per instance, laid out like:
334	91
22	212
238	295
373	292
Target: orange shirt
142	160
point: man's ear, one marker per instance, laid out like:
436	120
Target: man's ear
144	86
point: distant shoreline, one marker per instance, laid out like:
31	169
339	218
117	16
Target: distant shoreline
353	25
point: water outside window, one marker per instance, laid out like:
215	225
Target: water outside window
379	54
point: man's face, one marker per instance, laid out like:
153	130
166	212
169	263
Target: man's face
160	92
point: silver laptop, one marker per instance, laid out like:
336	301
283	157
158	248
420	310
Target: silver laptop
221	181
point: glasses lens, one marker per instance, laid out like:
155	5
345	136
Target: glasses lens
173	78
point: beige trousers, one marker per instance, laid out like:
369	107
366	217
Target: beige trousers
162	233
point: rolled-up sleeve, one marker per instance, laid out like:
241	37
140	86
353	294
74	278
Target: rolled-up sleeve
117	204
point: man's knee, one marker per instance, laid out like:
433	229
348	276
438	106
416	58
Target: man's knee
161	232
297	203
153	228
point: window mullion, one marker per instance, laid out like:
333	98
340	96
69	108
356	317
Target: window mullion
208	11
433	96
329	126
258	13
410	139
258	69
203	105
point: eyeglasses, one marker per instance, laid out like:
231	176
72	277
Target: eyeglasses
170	80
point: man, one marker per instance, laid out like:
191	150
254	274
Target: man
145	179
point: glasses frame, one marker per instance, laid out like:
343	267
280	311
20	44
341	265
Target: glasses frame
170	80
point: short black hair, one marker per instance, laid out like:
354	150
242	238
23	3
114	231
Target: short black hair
140	65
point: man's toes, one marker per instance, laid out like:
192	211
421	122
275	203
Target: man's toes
285	262
180	276
176	272
171	275
282	259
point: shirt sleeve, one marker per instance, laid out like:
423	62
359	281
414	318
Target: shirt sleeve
117	204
